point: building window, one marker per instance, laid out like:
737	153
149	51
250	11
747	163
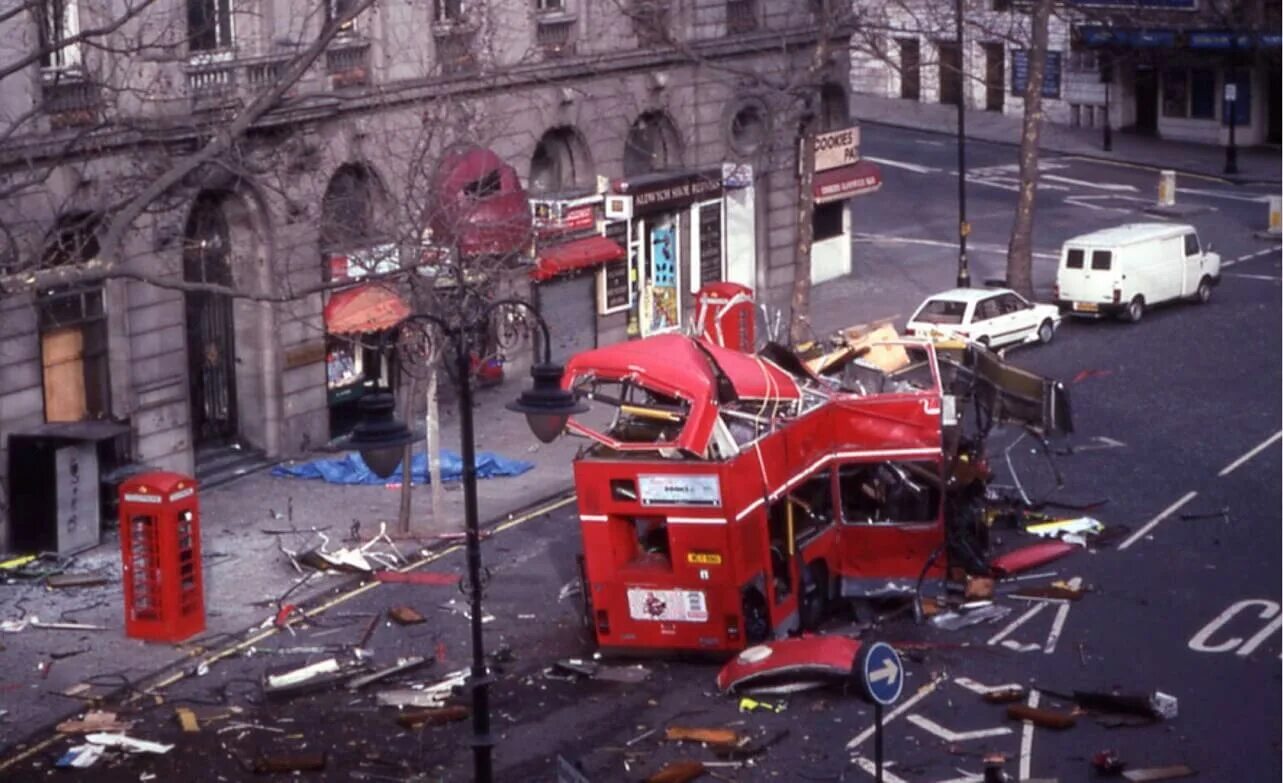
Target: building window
558	164
209	25
827	221
650	21
447	11
750	127
652	145
337	9
950	73
72	322
59	22
910	69
834	112
1175	92
550	6
1202	94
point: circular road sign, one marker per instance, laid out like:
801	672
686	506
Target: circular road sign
881	672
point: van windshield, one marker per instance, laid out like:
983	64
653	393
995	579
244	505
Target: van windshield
1100	259
1075	258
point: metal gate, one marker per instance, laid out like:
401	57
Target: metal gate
569	306
211	346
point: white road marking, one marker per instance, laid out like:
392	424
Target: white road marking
1027	740
1269	611
1019	621
1083	201
1225	471
1143	167
868	766
993	183
1223	194
896	164
1100	442
1164	514
947	735
1272	278
922	693
1084	183
981	688
1249	256
967	777
971	247
1062	614
1020	647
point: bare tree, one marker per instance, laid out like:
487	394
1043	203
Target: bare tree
1020	248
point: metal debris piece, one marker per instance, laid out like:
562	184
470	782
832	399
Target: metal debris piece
678	772
434	695
749	704
1158	773
1106	762
417	577
1057	591
402	665
978	588
1047	719
431	716
1004	695
1059	528
724	737
187	719
79	756
1156	706
405	615
568	589
952	621
130	744
76	580
296	762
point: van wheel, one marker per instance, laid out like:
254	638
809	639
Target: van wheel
1204	292
757	623
1135	310
1045	332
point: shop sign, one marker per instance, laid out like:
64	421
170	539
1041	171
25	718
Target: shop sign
552	217
376	260
737	175
837	148
668	193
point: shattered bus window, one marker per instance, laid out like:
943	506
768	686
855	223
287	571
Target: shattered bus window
889	492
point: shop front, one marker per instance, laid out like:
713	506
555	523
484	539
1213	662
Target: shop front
840	175
673	225
359	323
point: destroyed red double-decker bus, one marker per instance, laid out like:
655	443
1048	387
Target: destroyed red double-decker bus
725	497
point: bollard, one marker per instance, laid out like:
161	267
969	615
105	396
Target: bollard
1275	227
1167	188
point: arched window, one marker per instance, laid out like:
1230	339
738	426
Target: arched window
835	113
652	145
73	327
349	233
560	163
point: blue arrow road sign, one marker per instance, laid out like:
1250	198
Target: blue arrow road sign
881	672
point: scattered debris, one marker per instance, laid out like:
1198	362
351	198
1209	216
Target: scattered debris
14	563
1047	719
678	772
76	580
297	676
1106	762
404	615
1223	513
32	621
432	696
402	665
187	719
79	756
299	762
1065	528
417	577
952	621
1004	695
431	716
1158	773
1032	556
1056	591
568	589
789	665
128	743
748	704
1157	705
577	667
94	721
978	588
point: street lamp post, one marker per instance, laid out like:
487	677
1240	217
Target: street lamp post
1107	78
964	274
1231	108
380	438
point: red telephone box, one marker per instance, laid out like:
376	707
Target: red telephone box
724	315
160	544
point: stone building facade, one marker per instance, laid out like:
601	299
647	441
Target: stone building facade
576	95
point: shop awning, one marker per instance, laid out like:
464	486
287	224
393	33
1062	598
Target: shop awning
575	254
364	308
847	181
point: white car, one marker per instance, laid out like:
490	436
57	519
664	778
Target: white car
993	317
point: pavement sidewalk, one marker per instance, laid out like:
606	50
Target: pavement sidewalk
246	524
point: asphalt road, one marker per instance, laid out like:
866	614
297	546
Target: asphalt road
1171	415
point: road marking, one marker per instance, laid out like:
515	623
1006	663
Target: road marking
926	724
1100	442
1269	611
1019	621
1084	183
981	248
1027	740
1272	278
922	693
1020	647
1062	614
967	777
982	689
895	164
1249	256
868	766
1225	471
1143	167
1081	201
1223	194
1164	514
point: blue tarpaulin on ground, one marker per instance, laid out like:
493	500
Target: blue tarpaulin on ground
351	469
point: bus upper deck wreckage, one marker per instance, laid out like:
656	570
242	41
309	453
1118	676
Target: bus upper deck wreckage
727	498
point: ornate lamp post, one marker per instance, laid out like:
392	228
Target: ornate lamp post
964	228
381	439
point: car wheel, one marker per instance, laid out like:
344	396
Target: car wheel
757	623
1135	310
1204	292
1045	331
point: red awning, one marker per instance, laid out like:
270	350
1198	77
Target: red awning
364	308
576	254
847	181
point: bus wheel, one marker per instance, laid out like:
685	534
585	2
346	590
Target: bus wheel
815	594
757	623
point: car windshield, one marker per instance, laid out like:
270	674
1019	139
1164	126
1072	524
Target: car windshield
941	311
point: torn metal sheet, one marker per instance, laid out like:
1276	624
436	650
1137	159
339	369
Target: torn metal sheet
952	621
1028	557
94	721
79	757
1158	773
789	665
402	665
432	716
127	743
301	675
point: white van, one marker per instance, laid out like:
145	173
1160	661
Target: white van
1125	269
